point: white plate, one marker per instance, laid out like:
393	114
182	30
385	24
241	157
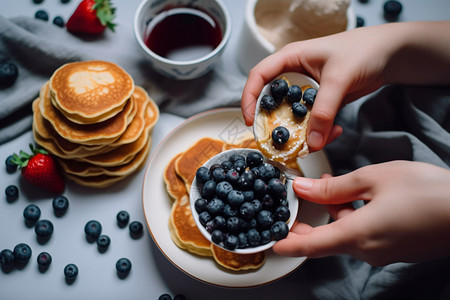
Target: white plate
226	124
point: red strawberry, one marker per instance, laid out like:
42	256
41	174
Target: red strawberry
92	17
40	169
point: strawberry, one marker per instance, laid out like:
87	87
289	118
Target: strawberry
40	169
92	17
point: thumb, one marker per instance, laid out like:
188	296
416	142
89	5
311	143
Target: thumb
326	105
334	190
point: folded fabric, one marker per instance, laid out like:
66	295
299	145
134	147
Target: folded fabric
39	48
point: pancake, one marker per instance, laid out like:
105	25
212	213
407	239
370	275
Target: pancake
90	91
193	158
174	184
93	134
237	262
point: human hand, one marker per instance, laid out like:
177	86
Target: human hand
347	66
407	217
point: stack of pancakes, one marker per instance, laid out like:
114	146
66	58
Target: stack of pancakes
178	177
95	121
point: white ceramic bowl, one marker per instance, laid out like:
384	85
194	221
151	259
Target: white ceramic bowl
189	69
195	194
253	47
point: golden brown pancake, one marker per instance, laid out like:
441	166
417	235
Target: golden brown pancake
92	134
174	184
193	158
237	262
90	91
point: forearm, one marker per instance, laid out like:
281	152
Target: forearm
421	55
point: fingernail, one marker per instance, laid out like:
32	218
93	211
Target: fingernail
315	139
303	183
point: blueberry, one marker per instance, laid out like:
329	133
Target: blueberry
392	9
265	219
44	259
38	1
294	94
360	22
266	172
217	236
242	239
240	166
235	198
299	110
254	159
7	258
103	242
219	222
230	242
136	229
222	189
247	180
235	157
10	166
31	213
43	228
276	188
215	206
248	195
204	218
179	297
12	193
165	297
267	202
229	211
233	224
123	265
218	174
259	188
60	205
247	210
93	229
41	15
58	21
214	166
279	89
253	237
22	253
122	217
309	96
8	74
209	189
203	175
280	135
232	176
279	230
200	205
71	272
266	237
268	103
257	205
65	1
282	213
227	165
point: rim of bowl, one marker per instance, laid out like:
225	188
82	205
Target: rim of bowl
194	194
250	18
220	47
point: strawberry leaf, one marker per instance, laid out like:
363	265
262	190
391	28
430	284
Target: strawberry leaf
105	13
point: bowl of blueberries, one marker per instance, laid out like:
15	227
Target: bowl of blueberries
243	202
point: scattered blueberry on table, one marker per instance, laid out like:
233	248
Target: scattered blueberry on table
123	267
22	253
58	21
8	74
392	10
11	193
103	243
10	166
92	229
31	214
7	259
60	205
136	229
41	15
70	273
44	260
122	218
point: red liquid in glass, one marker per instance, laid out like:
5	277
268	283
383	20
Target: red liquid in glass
183	34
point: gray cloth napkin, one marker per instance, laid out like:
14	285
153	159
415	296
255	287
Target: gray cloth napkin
39	48
396	122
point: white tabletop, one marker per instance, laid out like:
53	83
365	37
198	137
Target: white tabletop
152	274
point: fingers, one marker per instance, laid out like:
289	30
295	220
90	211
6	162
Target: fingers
282	61
312	242
335	190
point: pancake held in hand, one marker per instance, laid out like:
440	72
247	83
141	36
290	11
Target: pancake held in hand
184	232
237	262
281	120
92	134
90	91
